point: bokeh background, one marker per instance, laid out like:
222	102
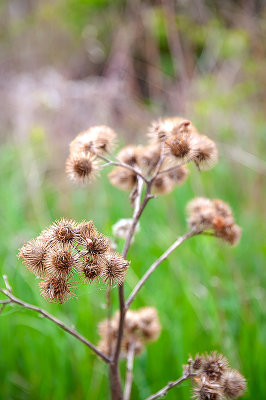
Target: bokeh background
66	65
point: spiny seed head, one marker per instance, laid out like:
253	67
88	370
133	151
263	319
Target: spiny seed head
122	178
91	269
96	140
33	254
129	155
206	153
149	323
162	129
201	213
140	327
179	174
149	156
86	230
122	227
207	390
114	268
55	289
81	167
62	231
234	384
163	184
60	260
222	209
214	366
197	362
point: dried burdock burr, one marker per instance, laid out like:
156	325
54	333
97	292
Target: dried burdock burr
56	289
148	157
114	268
214	366
179	175
62	231
33	255
122	178
207	391
90	269
129	155
81	167
163	184
97	140
61	260
206	153
140	327
234	384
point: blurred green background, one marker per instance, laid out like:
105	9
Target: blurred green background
66	65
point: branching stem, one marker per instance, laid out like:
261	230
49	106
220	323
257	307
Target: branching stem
161	393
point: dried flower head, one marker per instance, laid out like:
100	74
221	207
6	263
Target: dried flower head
33	254
94	243
141	326
178	174
234	384
163	184
60	260
206	390
214	366
91	269
97	140
56	289
122	227
62	231
206	154
122	178
201	212
114	268
162	129
81	167
149	156
149	323
129	155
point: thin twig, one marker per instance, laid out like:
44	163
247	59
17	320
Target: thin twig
124	165
170	385
153	267
45	314
129	374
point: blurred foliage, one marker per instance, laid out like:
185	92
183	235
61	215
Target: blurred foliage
209	296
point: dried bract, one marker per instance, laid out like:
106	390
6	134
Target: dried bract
206	154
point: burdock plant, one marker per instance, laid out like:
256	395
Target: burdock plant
68	252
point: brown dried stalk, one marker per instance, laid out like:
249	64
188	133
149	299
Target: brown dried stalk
161	393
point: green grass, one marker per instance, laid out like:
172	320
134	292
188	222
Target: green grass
209	295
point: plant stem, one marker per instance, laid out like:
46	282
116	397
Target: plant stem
170	385
129	374
45	314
